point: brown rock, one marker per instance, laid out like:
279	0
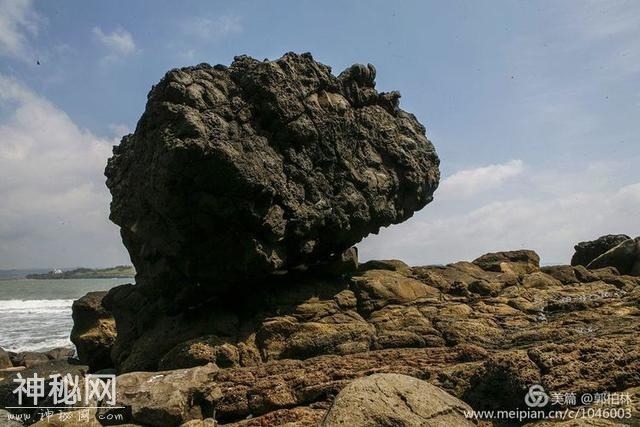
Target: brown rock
375	289
388	264
164	398
563	273
395	400
29	359
60	353
200	351
518	262
482	336
94	331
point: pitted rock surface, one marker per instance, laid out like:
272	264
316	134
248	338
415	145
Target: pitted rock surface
281	356
236	172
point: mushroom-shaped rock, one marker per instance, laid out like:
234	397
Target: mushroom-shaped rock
237	172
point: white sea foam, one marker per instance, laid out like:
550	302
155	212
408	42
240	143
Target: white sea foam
36	304
35	325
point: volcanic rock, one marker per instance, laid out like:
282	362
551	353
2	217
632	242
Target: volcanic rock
93	332
382	400
236	172
624	257
590	250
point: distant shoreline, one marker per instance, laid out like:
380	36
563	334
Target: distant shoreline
118	272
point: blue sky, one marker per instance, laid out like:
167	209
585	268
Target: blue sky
532	106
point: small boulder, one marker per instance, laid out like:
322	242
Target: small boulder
94	331
518	262
387	264
5	361
166	398
29	359
199	352
625	257
60	353
377	288
563	273
590	250
395	400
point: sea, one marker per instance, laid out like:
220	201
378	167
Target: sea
35	315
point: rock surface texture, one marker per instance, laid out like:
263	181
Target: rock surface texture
590	250
94	331
483	336
382	400
236	172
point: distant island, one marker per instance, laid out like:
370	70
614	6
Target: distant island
120	271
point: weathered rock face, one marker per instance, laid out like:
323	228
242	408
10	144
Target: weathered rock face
590	250
484	332
382	400
624	257
94	331
236	172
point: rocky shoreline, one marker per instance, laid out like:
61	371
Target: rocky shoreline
481	331
240	196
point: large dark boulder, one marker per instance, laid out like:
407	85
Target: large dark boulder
624	257
236	172
590	250
94	331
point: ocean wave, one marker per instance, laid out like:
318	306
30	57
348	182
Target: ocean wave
35	325
35	304
38	345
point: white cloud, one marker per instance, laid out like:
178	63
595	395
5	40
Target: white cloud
530	217
119	130
469	182
54	200
19	23
119	43
213	29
